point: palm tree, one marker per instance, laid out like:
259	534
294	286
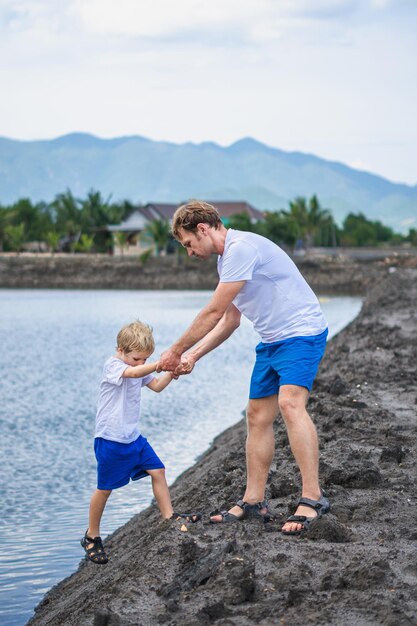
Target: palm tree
67	214
160	232
15	236
318	219
85	243
120	239
308	219
52	240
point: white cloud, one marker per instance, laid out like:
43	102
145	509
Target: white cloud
155	18
161	18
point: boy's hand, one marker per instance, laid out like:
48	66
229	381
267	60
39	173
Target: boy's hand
186	366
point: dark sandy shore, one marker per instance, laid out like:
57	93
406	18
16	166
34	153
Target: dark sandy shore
359	564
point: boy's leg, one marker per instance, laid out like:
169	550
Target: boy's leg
161	492
97	504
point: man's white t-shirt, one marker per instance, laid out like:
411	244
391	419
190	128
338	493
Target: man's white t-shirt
275	297
118	409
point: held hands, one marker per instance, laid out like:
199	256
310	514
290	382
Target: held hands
168	361
185	365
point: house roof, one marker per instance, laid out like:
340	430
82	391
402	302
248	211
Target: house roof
142	215
227	209
135	221
163	211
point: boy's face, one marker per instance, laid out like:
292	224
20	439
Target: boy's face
133	358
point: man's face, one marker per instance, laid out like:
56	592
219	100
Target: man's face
197	244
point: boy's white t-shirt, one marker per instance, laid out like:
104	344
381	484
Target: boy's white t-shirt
275	297
118	409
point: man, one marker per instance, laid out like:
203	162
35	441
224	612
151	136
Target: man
258	279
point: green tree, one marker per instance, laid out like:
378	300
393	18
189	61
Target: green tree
309	219
95	211
36	218
85	243
4	220
160	233
120	240
52	240
241	221
15	236
359	231
279	228
66	214
412	236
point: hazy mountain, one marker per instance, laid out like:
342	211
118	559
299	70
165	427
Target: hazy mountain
142	170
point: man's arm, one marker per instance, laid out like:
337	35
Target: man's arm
205	321
222	331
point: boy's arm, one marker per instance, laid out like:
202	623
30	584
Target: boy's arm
139	371
158	384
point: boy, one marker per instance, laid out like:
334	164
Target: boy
122	453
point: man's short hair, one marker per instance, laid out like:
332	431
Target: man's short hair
195	212
137	337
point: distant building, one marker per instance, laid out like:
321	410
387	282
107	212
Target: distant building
129	236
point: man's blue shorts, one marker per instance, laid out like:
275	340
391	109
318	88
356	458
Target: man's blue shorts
117	463
293	361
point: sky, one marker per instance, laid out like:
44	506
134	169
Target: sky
334	78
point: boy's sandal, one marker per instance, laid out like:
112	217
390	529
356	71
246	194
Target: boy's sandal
321	507
248	511
186	517
95	552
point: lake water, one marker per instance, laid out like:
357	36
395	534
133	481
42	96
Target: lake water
53	346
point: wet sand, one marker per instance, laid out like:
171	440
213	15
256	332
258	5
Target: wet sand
358	565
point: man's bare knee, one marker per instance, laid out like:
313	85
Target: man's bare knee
288	406
259	418
292	402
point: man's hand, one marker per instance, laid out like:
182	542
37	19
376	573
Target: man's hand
168	361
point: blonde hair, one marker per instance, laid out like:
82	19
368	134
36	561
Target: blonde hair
194	212
136	336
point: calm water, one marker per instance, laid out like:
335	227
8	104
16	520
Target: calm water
53	346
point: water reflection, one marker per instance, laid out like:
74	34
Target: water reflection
54	344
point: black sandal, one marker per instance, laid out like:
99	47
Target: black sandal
95	552
321	507
250	511
188	518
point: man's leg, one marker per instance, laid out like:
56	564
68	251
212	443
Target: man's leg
303	440
260	443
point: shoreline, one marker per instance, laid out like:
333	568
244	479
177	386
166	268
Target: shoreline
325	274
357	566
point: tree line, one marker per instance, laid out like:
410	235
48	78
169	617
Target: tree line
79	225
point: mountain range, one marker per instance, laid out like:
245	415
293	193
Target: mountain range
141	170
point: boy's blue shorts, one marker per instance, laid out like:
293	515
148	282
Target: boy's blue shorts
293	361
117	463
